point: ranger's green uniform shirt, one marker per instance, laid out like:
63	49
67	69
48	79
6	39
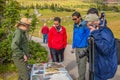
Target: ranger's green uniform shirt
20	43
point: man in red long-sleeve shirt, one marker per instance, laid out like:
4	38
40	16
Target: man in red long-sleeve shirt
57	40
45	31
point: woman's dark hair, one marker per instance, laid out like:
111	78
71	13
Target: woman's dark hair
93	11
76	14
57	19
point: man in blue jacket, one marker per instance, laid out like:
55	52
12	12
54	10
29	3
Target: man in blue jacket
105	48
80	44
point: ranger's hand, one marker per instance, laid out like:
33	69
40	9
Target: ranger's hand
25	58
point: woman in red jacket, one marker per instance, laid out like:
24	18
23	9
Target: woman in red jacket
57	40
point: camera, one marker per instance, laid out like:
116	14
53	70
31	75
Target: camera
95	26
83	53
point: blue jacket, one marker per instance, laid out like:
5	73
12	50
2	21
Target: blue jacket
80	35
105	53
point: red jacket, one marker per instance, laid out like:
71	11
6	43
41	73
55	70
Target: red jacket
45	30
57	40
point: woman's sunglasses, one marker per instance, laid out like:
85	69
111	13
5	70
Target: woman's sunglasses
74	19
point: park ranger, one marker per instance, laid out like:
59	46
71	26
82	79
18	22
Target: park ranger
20	48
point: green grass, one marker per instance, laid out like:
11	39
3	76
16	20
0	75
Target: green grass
114	23
64	3
8	72
112	17
48	15
113	20
12	76
7	68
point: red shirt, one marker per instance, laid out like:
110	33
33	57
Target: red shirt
57	40
45	30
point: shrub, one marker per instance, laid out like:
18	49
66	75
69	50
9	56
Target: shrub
2	34
5	51
37	52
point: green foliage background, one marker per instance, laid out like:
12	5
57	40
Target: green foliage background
11	12
11	15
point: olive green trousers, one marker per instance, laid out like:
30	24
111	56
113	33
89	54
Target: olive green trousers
81	63
22	68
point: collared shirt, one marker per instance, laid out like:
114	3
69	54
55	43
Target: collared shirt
19	43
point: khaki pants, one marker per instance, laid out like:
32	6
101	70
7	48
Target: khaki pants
22	68
81	63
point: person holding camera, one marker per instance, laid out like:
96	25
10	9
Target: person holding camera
57	41
105	57
80	44
103	21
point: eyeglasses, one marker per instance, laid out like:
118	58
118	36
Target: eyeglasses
74	19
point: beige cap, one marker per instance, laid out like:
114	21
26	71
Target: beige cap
91	17
25	21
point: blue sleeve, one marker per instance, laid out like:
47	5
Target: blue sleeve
73	41
104	41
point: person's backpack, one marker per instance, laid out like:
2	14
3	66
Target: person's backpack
118	49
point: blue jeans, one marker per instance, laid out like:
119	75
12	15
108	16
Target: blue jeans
45	38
